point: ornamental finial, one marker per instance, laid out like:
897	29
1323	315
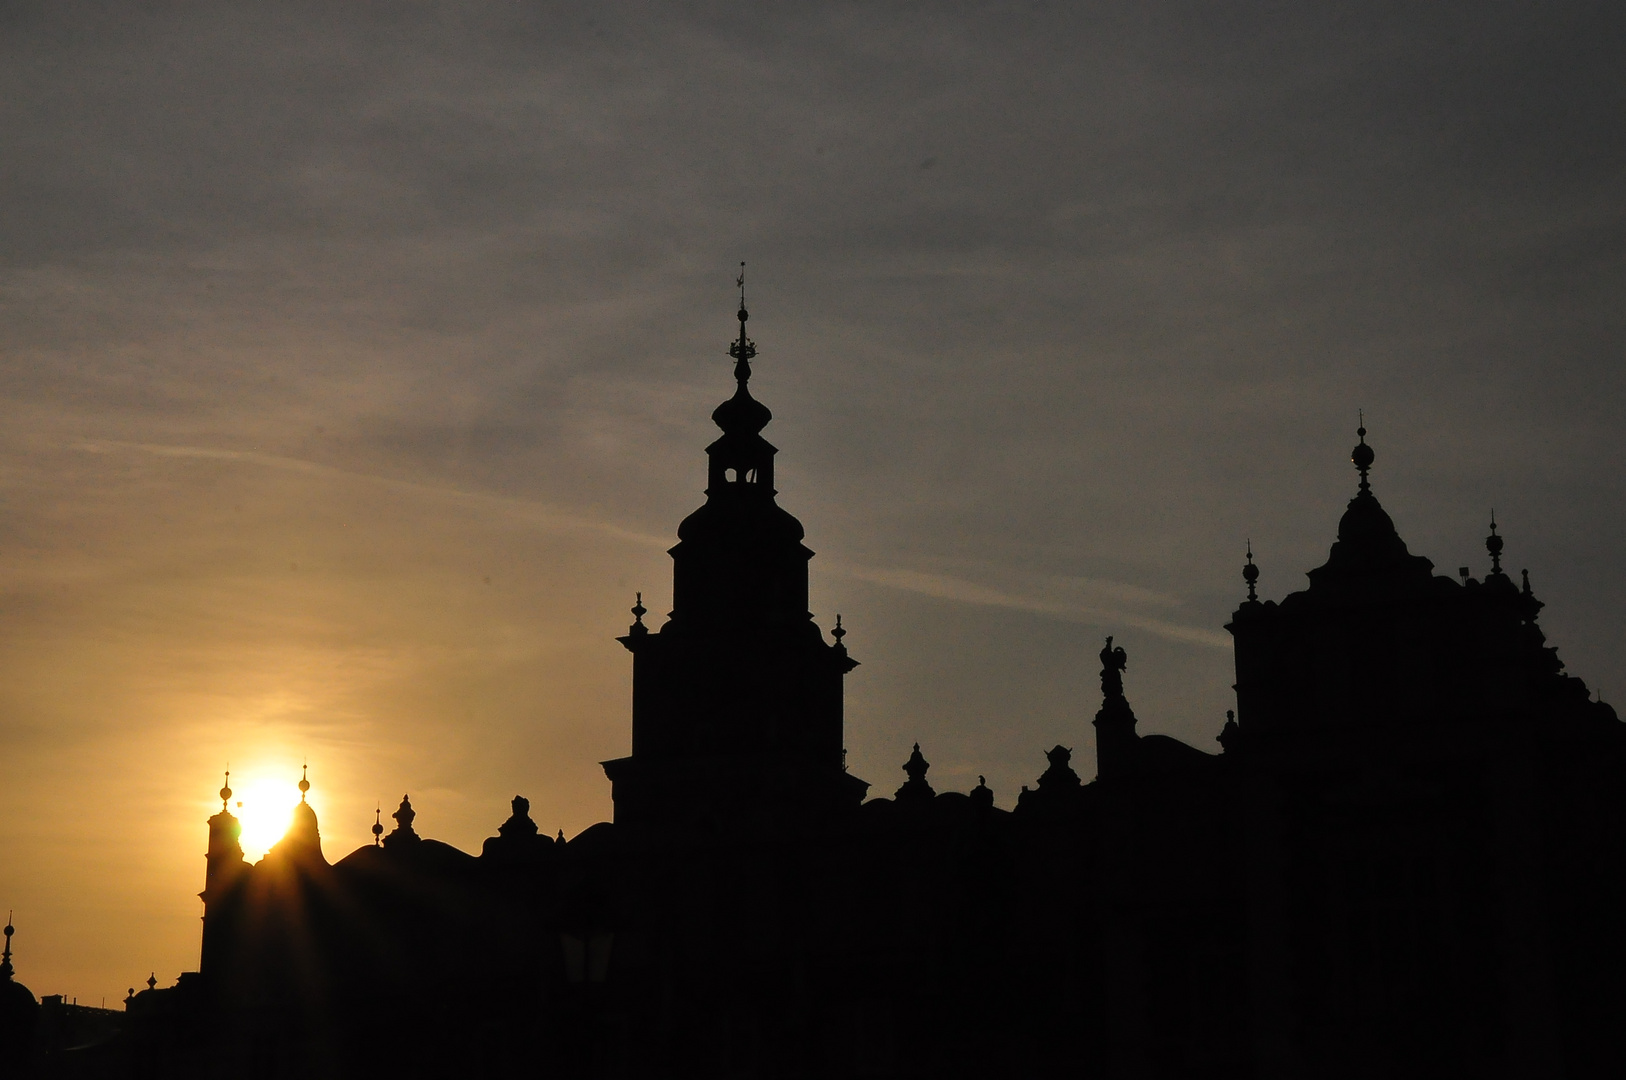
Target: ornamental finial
304	782
1250	574
1362	455
1493	544
742	350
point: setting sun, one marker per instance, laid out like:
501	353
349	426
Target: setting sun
264	805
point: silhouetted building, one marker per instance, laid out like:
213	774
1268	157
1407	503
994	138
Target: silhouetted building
1406	861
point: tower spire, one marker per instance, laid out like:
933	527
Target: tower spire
225	790
1250	574
304	782
5	959
742	350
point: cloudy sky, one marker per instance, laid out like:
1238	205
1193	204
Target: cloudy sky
356	363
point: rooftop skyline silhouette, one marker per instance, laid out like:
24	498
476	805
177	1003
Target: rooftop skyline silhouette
357	370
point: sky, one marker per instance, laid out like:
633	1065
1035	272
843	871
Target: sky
356	365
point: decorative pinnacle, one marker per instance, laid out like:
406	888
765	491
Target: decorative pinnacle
378	824
742	350
1362	455
1250	574
225	791
838	633
152	980
304	784
1493	544
5	958
638	609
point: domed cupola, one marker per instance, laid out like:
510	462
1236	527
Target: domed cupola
1369	550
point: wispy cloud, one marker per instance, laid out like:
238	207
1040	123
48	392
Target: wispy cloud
535	513
1070	608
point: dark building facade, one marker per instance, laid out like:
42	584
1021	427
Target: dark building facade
1404	860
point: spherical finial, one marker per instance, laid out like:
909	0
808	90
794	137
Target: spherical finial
1493	544
1250	573
304	784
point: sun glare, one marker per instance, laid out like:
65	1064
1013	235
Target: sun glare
265	807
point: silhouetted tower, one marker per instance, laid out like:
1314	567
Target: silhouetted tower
737	700
222	875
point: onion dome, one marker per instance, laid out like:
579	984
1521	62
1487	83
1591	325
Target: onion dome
742	414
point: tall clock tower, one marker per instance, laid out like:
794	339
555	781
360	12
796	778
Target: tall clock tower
737	699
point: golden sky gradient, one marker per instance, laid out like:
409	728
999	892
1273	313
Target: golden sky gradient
357	363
